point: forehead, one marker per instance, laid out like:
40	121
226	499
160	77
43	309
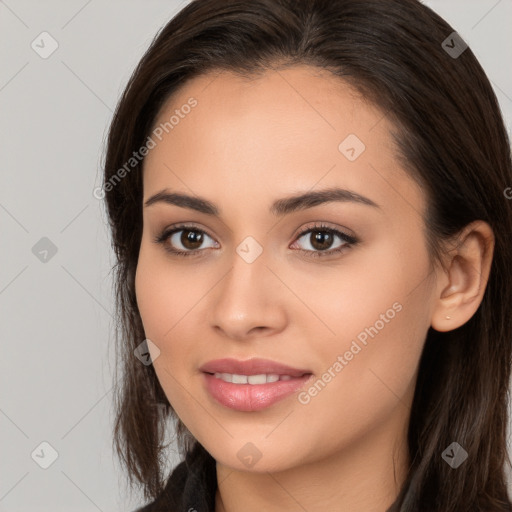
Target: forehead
322	100
288	129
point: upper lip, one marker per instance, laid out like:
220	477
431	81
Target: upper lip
253	366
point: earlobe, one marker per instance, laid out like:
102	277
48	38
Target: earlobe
462	286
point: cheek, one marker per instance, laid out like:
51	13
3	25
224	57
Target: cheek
162	304
152	299
168	297
364	291
377	316
364	384
165	294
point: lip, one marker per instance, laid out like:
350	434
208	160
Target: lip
249	397
253	366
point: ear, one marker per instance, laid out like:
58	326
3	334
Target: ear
467	266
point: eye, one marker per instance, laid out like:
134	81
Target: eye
188	237
320	239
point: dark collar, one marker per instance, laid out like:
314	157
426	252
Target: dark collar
191	486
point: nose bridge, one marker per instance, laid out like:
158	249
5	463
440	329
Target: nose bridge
246	297
248	275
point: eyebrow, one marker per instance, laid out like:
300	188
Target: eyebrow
280	207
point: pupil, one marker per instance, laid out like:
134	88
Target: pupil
322	238
191	239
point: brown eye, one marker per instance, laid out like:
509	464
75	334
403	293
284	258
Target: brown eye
191	239
321	240
184	240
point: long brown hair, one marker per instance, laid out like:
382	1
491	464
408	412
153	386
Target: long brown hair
451	139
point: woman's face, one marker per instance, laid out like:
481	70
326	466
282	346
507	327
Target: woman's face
266	279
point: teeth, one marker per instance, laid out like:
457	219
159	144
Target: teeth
251	379
257	379
239	379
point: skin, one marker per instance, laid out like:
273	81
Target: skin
246	144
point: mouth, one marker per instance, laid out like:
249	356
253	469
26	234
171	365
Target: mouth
251	385
253	380
251	367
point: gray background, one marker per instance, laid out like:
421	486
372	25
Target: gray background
56	315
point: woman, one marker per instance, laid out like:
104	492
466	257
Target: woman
309	211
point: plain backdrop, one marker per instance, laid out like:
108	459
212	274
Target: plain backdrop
55	283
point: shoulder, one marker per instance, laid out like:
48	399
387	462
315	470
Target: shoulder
191	485
169	500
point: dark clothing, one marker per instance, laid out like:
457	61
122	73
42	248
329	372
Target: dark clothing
190	488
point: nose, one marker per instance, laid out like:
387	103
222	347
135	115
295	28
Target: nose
249	301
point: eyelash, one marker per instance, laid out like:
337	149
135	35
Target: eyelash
348	239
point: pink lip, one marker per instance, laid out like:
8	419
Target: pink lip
253	366
249	397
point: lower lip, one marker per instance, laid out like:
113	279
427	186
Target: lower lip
252	397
